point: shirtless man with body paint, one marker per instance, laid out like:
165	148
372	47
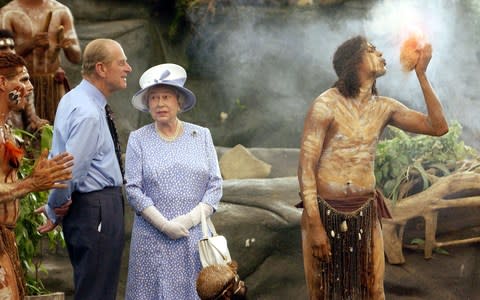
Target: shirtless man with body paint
47	174
42	29
341	233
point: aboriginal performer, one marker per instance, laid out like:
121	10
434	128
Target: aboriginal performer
42	28
15	87
341	233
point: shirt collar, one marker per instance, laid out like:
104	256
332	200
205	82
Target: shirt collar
92	90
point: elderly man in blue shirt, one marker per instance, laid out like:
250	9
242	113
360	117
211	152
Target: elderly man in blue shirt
93	222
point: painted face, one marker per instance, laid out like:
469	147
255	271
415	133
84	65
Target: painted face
19	88
373	63
117	70
163	103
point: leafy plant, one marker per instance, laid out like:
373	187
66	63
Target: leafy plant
406	163
30	243
420	243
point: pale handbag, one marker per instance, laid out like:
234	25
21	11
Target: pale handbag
212	249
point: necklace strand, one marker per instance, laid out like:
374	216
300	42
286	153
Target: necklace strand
174	136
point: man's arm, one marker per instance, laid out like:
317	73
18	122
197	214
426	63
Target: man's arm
85	129
315	128
432	124
47	174
70	44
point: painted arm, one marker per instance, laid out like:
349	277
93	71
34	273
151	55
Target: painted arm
315	128
434	123
70	43
47	174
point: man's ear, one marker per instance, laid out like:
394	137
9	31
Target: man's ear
3	83
100	69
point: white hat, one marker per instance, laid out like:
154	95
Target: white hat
165	74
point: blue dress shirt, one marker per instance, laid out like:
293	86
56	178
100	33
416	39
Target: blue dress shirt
81	129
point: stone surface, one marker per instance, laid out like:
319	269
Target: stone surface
240	163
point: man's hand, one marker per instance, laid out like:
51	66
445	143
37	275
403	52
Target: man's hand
62	211
423	59
37	123
49	173
40	40
48	225
66	43
320	243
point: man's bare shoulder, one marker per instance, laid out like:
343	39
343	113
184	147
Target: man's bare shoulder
55	5
389	102
11	6
328	97
322	106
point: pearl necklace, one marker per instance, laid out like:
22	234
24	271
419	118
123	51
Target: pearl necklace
174	136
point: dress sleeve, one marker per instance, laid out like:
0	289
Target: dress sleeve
213	192
134	175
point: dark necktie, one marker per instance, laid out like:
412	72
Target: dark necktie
113	132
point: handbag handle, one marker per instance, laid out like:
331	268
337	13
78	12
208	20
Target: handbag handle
207	225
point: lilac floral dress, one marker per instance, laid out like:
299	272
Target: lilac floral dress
174	176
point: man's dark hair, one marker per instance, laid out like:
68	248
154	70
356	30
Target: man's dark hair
5	34
9	62
346	61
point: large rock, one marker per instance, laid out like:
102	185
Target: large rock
239	163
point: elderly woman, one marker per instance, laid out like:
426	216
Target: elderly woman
172	175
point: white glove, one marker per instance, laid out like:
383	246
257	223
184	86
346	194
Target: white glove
172	229
193	218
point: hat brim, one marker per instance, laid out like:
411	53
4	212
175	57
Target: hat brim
139	100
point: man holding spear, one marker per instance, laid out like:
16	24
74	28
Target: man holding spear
42	28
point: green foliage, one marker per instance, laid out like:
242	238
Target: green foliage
29	241
404	161
420	243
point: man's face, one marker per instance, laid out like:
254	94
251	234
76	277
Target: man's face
373	63
7	45
117	70
19	88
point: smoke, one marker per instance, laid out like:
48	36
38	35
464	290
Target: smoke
277	60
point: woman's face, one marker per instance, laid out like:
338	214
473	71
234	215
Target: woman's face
163	104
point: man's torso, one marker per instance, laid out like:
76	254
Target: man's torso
346	164
26	22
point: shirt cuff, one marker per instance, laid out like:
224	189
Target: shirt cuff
50	214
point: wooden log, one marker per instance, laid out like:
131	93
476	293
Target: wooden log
426	204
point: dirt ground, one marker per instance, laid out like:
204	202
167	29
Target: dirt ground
443	277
